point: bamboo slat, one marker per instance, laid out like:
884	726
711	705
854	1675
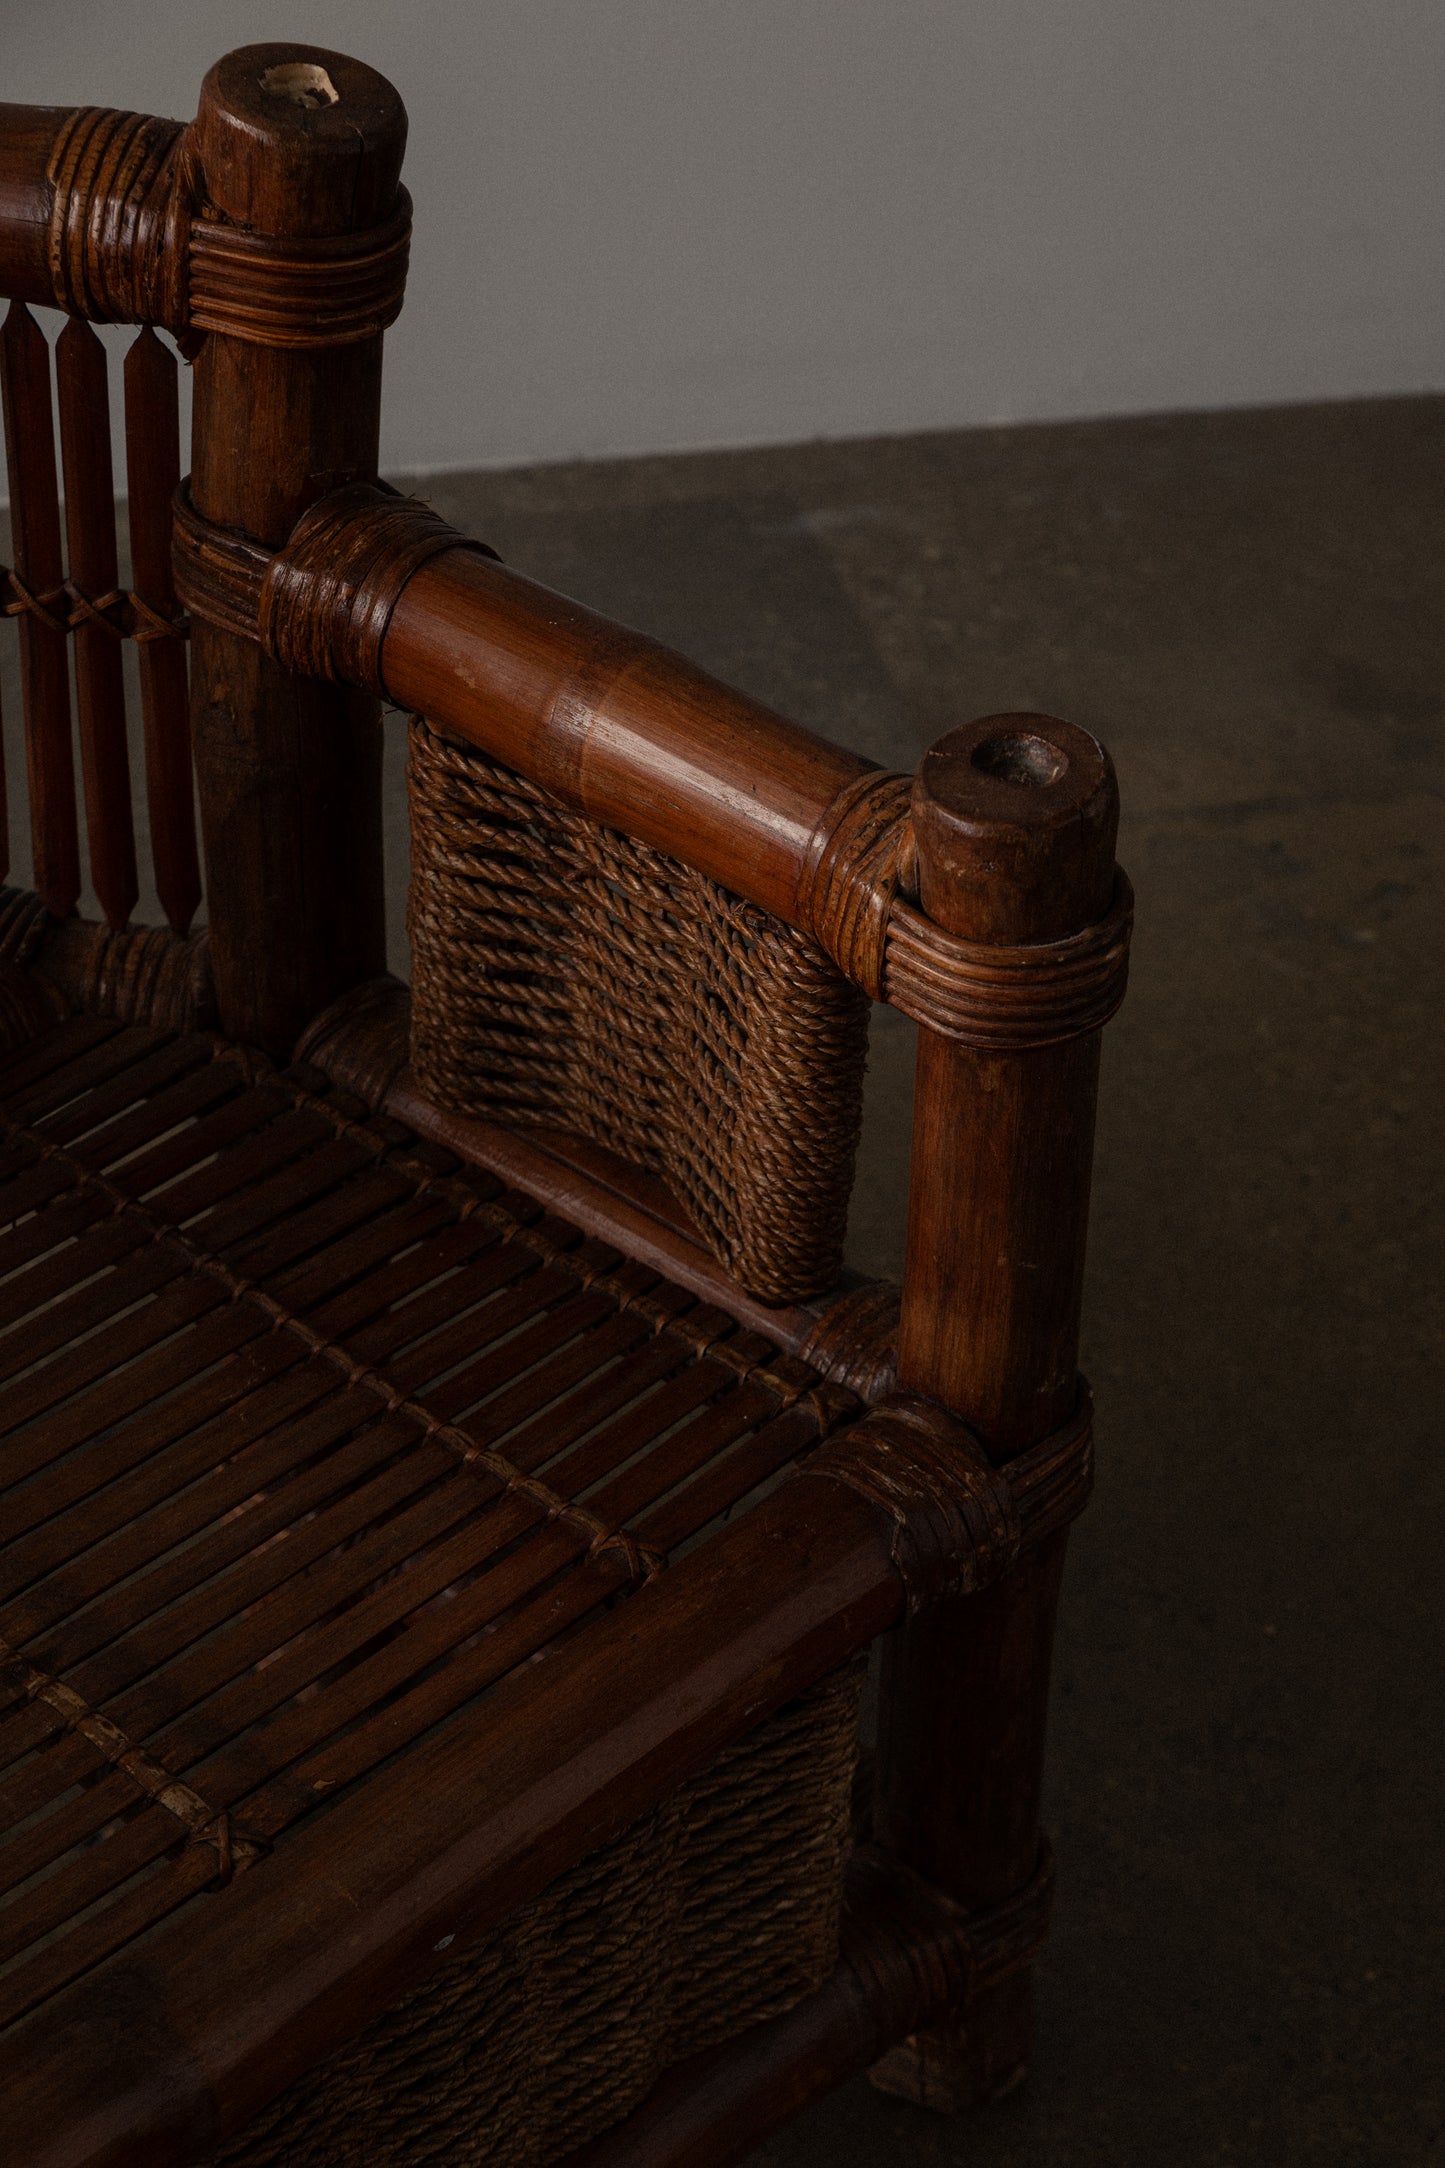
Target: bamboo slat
153	470
87	1521
312	1437
40	572
84	409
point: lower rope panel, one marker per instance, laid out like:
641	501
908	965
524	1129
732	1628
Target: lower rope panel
716	1911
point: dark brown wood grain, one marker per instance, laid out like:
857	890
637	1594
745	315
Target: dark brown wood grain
323	1425
289	769
28	135
153	469
44	669
84	409
615	724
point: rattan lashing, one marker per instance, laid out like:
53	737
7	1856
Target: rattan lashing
568	976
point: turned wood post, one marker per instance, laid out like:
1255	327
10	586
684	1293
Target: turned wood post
1015	819
302	144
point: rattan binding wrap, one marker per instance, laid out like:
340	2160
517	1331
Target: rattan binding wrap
718	1910
134	241
567	976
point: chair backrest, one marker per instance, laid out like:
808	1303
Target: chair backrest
568	973
644	906
63	588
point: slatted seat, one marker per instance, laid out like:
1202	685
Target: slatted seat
310	1435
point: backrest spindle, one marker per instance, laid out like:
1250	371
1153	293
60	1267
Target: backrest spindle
99	689
40	574
153	470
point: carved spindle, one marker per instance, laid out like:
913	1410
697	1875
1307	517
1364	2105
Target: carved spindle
84	405
40	574
153	465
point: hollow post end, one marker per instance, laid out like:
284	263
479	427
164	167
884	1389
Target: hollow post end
301	140
1015	819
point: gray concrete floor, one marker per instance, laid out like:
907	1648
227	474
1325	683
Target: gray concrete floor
1245	1771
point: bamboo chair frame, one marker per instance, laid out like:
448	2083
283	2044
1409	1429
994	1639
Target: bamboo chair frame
926	1501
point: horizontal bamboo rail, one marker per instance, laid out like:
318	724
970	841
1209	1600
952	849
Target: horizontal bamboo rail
28	136
617	725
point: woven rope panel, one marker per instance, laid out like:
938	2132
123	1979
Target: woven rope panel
715	1912
566	976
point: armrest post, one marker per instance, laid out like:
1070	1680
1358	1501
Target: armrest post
1015	820
306	145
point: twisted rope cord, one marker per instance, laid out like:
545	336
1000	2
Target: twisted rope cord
160	1785
122	613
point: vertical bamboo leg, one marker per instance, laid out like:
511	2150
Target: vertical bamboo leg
1015	819
289	769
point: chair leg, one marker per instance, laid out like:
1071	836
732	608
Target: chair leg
1014	819
960	1764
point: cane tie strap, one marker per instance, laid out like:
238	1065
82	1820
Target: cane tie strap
133	241
202	1823
855	1340
959	1522
327	599
856	899
919	1954
861	856
956	1527
124	615
218	573
120	218
321	605
280	291
1005	1000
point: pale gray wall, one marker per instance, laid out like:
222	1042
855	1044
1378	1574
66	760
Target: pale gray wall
645	224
